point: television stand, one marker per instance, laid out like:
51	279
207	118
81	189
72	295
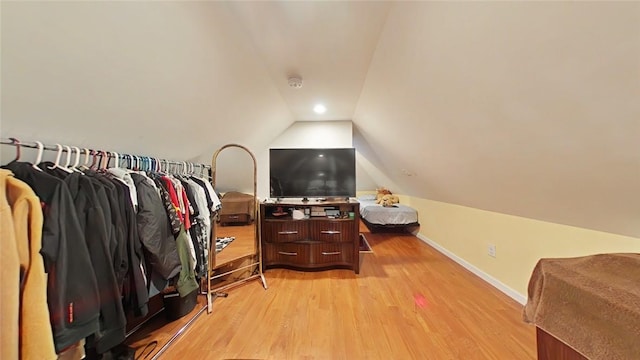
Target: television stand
328	238
305	199
332	199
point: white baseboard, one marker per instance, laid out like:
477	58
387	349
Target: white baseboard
522	299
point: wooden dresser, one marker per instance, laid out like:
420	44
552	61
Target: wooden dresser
327	237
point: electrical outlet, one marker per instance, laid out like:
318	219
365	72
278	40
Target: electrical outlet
491	250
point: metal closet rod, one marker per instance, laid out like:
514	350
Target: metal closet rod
109	154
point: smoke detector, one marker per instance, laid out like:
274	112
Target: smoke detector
295	82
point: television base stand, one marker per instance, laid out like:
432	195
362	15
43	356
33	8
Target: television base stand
304	199
334	199
328	238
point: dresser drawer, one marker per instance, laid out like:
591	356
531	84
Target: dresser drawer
234	219
286	254
332	254
285	231
333	230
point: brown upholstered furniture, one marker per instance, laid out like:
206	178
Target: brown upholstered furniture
590	304
237	208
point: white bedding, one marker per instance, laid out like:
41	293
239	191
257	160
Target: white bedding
399	214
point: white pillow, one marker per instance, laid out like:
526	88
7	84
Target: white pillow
368	197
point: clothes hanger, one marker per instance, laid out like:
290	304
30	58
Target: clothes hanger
16	142
76	161
85	164
127	162
74	167
99	154
103	156
68	162
117	157
55	164
94	160
106	159
39	156
86	156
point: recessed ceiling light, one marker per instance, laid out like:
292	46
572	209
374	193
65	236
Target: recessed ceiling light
319	109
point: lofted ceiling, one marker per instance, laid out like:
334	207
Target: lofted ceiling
524	108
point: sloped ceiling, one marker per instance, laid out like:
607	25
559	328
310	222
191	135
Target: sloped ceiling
525	108
169	79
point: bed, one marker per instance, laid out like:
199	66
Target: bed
398	217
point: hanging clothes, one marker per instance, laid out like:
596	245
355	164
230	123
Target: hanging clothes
154	231
125	176
177	207
201	228
187	280
72	291
135	290
24	316
117	238
92	221
93	243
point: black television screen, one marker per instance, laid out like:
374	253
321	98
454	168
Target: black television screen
312	172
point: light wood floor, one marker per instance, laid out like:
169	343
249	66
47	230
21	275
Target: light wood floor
243	245
408	302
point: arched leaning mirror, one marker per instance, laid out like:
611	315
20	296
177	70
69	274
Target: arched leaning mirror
236	255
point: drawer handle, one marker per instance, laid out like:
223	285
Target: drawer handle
290	232
233	216
288	253
331	253
330	232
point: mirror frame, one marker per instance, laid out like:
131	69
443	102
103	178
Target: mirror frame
256	236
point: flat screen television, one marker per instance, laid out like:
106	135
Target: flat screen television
318	173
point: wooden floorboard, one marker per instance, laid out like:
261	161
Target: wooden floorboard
408	302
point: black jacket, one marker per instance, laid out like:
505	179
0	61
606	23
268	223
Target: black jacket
135	289
72	291
118	236
154	231
92	221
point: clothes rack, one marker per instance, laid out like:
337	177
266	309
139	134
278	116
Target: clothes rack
142	161
101	159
